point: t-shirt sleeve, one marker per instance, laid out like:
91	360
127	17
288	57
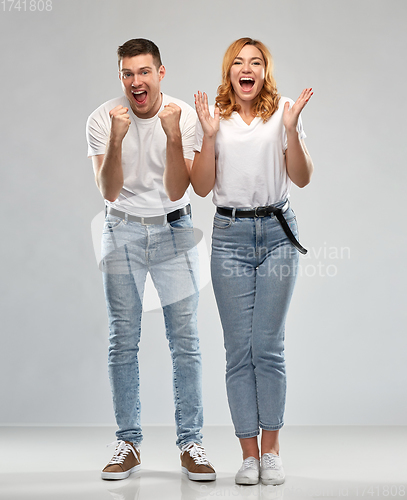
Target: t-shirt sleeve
188	134
198	136
300	128
97	135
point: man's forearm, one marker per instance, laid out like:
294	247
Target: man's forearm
176	173
110	177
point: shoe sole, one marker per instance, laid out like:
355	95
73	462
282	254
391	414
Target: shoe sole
273	482
199	476
247	480
120	475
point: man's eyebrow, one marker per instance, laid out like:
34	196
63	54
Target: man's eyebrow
131	71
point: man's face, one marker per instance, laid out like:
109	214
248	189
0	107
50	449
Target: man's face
140	80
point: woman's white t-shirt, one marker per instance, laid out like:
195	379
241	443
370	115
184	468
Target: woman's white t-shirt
250	160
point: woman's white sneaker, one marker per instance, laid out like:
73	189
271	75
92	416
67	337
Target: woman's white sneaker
271	469
249	472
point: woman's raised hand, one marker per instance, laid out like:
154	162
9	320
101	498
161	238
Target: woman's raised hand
210	125
290	115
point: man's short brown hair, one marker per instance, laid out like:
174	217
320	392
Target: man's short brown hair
138	46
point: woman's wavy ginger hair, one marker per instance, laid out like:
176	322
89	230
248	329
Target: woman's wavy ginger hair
266	103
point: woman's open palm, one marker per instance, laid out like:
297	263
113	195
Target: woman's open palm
290	115
210	124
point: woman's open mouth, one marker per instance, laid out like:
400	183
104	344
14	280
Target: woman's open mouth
247	83
140	96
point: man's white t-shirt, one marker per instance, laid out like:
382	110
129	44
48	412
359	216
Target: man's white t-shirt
250	160
144	150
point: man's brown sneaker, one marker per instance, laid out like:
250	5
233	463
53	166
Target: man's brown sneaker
125	461
195	464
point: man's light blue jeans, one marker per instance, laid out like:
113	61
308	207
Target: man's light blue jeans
254	269
129	251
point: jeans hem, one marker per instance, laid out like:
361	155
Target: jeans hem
137	444
244	435
188	441
271	427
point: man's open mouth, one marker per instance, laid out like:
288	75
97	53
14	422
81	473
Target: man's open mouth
246	83
140	96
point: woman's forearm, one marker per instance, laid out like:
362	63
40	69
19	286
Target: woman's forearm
203	168
298	161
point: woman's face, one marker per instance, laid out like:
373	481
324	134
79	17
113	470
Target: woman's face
247	74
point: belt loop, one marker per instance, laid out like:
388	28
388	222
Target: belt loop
233	214
126	217
105	209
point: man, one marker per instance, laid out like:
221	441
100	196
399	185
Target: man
141	146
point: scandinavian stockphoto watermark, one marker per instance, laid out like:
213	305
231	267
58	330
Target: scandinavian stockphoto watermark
238	491
319	262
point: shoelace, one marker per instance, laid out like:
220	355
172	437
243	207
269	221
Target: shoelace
249	463
268	461
121	452
197	453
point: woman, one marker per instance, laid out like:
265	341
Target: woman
249	148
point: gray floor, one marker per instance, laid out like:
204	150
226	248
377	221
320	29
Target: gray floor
320	462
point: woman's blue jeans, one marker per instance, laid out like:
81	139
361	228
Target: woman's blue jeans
254	269
129	251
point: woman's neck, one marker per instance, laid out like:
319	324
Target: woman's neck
246	112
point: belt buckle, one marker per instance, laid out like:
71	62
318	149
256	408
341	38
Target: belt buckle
256	214
152	221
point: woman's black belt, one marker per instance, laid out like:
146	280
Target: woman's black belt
266	212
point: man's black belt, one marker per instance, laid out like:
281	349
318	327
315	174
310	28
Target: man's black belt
266	212
146	221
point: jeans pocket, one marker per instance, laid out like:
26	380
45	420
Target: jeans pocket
111	222
184	223
289	215
291	220
222	222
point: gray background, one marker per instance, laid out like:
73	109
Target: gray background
345	338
